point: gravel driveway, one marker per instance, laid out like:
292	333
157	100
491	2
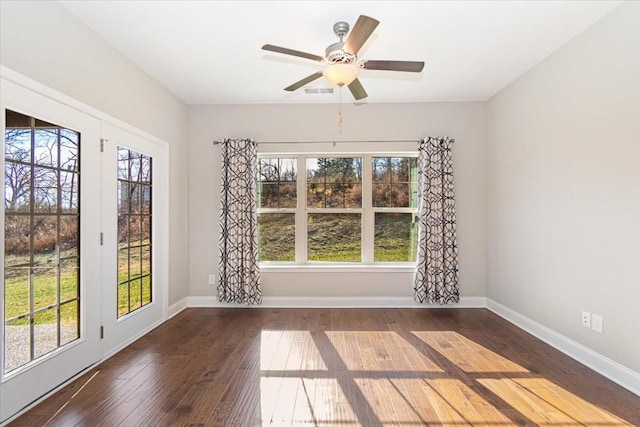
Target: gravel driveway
17	347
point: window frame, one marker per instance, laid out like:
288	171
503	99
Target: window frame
367	212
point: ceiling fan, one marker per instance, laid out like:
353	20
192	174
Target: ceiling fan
341	58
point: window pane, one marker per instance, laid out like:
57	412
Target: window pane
69	150
16	239
17	137
276	236
16	291
277	183
45	194
45	282
123	298
334	182
69	192
45	237
17	186
395	237
135	288
268	195
145	258
146	290
69	279
45	147
16	355
394	182
45	332
334	237
69	323
68	236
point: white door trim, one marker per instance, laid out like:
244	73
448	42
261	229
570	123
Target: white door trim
162	270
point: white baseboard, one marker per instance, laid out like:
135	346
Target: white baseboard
176	308
334	302
599	363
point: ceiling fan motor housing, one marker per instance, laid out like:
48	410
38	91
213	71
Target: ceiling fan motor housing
334	54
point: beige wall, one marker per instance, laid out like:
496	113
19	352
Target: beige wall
564	188
462	121
44	42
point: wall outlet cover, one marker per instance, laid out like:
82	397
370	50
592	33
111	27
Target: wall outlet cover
586	319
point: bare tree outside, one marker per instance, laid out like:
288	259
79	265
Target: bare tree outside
41	281
334	206
134	231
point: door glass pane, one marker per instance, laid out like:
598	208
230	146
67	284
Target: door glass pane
69	322
134	231
41	238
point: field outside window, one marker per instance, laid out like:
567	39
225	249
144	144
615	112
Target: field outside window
342	209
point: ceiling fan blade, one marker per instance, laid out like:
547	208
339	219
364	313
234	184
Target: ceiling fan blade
360	33
410	66
304	81
357	90
292	52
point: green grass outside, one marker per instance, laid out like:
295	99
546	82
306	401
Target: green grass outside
16	289
336	237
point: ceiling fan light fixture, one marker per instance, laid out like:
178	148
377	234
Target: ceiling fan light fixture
341	74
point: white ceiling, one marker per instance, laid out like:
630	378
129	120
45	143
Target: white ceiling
209	52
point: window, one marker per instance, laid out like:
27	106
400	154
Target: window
41	238
342	209
134	231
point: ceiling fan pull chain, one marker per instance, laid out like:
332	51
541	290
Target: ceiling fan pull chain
340	111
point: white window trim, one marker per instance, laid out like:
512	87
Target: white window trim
367	263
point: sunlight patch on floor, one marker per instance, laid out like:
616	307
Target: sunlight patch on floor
379	351
289	350
548	404
466	354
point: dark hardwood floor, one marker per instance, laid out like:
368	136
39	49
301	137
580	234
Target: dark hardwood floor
338	367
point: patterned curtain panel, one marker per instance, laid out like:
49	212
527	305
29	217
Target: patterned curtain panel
436	279
238	269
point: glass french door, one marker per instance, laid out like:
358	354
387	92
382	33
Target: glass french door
134	219
51	264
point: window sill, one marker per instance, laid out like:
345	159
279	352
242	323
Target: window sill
337	268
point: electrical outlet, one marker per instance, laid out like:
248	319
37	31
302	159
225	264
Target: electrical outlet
212	279
596	323
586	319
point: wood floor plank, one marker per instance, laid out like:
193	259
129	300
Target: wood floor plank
338	367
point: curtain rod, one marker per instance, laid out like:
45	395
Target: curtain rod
328	142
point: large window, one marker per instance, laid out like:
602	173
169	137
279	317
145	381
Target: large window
342	209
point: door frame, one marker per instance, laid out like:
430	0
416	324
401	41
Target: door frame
118	333
27	383
161	270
